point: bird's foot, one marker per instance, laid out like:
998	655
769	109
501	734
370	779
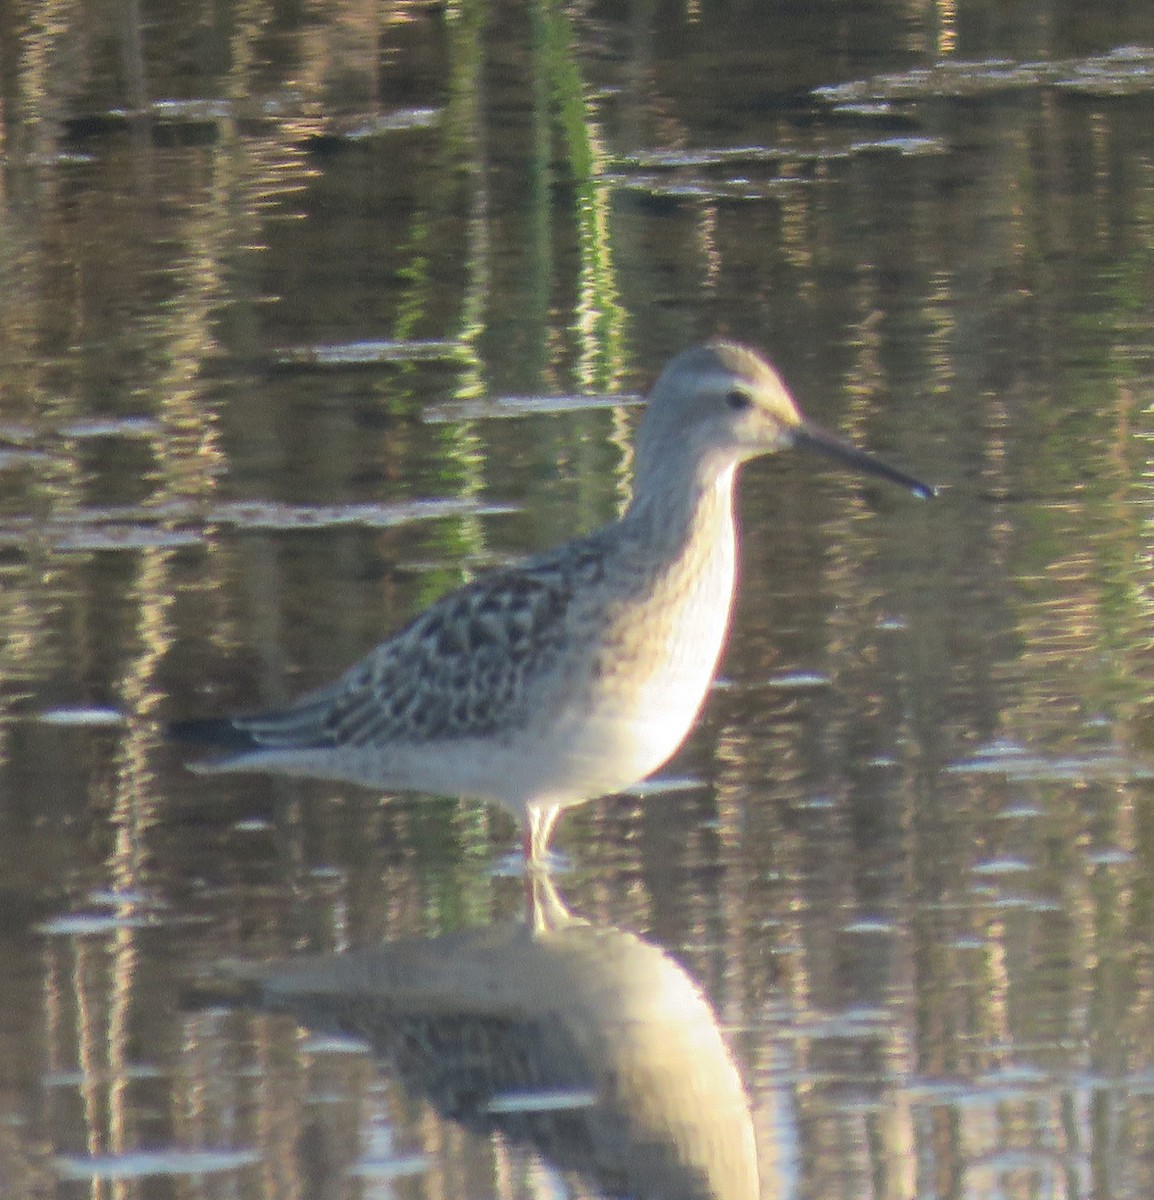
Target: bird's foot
514	864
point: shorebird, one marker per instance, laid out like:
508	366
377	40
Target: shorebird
580	671
584	1043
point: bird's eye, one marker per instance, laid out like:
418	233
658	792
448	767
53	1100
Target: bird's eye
738	400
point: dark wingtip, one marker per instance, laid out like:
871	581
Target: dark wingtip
218	732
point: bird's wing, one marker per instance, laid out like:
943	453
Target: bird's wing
461	668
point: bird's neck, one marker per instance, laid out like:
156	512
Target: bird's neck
690	515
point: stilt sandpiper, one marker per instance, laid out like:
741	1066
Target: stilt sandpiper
580	671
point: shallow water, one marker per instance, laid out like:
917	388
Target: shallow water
306	314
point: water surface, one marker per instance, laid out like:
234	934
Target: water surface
307	314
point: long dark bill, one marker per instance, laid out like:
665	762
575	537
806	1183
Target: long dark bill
813	437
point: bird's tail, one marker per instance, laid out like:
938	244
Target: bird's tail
219	733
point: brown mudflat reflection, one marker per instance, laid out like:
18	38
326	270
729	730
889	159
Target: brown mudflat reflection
581	1042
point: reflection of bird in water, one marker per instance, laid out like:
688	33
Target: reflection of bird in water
580	671
587	1044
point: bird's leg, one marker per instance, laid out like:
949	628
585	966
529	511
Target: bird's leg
535	847
546	912
541	822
